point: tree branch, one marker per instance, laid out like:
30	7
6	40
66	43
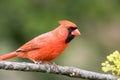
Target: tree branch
55	69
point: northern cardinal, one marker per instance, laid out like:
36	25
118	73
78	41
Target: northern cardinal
47	46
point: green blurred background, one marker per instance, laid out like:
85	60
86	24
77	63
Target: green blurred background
98	22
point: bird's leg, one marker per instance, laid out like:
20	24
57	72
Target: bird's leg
50	63
53	64
36	62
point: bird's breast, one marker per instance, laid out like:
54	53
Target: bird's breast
48	51
55	50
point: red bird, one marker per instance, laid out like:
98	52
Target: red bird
47	46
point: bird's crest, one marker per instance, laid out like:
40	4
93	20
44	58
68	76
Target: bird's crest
67	23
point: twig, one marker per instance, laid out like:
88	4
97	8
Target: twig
55	69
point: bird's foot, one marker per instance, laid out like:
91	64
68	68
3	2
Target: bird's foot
53	65
36	62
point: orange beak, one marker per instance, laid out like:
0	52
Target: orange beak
75	32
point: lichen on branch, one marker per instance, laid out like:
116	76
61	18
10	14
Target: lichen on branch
55	69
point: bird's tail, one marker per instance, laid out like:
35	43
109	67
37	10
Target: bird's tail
8	56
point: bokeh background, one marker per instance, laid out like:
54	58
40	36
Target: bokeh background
98	22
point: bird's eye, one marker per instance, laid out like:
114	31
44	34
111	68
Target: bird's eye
73	28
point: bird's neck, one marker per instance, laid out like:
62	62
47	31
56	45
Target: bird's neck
61	34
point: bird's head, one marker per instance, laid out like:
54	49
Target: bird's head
71	28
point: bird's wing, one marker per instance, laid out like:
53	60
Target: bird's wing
29	46
34	44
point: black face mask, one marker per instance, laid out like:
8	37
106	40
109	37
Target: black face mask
70	36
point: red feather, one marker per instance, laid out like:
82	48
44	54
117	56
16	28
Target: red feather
47	46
